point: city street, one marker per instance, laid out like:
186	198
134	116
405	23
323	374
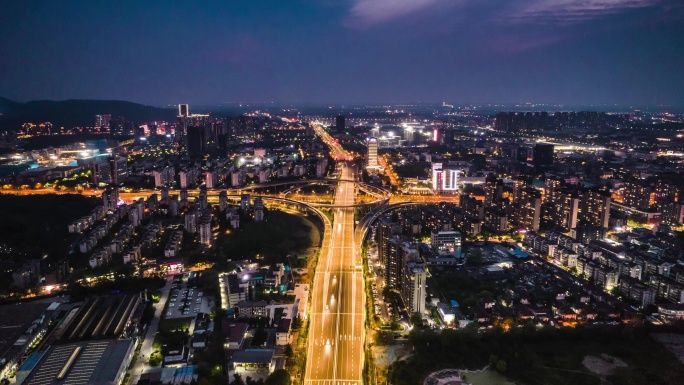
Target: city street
336	339
146	348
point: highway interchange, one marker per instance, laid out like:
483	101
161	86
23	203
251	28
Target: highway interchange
337	331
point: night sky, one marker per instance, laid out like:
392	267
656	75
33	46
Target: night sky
628	52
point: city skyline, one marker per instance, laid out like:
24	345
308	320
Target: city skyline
562	52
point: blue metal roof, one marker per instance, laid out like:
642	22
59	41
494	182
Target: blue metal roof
31	361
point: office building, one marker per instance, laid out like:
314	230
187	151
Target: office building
196	141
543	154
446	242
339	123
444	179
233	290
220	136
372	153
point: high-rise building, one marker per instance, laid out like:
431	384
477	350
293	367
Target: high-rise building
339	123
196	141
405	272
471	207
103	121
520	183
202	198
117	126
527	214
637	194
245	202
110	199
383	233
183	110
543	154
223	201
221	137
392	263
413	286
551	185
565	210
258	209
493	191
496	220
372	153
191	218
205	230
118	168
596	208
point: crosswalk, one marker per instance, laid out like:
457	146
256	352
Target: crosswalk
332	382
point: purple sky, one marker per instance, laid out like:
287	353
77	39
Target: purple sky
628	52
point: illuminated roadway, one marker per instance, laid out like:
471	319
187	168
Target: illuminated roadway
336	331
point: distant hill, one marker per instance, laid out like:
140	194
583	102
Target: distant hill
75	112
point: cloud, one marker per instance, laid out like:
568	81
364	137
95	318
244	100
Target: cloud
576	11
366	13
513	44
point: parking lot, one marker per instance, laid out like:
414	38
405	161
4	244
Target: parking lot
379	307
185	302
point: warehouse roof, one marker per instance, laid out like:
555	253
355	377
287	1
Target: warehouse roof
101	317
86	363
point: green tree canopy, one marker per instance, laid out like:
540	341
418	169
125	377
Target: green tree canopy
278	377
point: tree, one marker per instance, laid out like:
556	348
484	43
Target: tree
501	366
237	380
416	319
384	337
288	351
278	377
474	258
296	323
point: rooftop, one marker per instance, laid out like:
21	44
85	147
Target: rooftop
15	320
101	317
86	363
254	356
